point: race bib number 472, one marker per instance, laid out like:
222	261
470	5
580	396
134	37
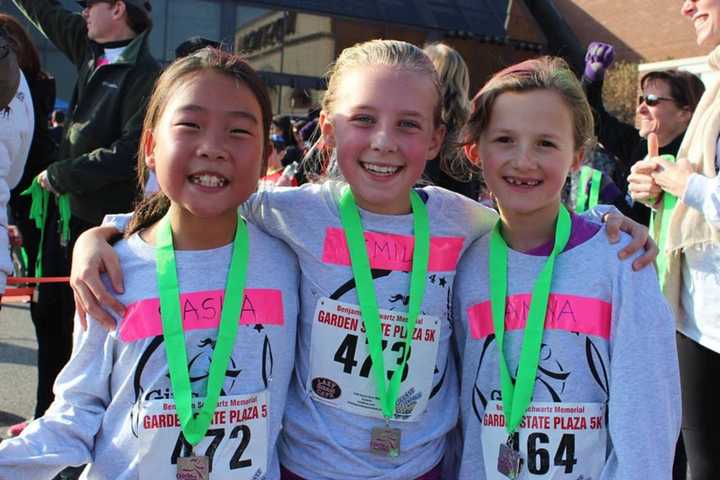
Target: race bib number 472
236	442
341	368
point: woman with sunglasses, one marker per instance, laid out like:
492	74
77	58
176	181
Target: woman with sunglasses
690	272
665	107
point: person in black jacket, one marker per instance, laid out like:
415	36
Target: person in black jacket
95	164
665	107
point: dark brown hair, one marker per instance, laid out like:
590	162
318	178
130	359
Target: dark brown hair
22	44
685	87
151	209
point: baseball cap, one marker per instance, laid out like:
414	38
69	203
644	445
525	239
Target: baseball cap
141	4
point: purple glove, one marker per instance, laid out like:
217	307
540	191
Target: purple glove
598	58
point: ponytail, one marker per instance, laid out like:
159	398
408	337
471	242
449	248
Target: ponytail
149	211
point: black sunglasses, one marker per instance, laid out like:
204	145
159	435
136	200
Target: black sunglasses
652	100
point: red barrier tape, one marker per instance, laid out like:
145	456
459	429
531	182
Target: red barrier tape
36	280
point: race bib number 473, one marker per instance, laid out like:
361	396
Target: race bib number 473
341	368
236	442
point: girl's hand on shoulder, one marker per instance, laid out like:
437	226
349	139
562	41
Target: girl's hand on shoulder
92	256
617	222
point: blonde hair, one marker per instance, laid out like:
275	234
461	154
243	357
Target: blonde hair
394	53
543	73
455	83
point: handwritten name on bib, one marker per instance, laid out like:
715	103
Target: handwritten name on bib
572	313
393	252
202	310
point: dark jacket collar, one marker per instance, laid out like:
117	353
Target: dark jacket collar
132	53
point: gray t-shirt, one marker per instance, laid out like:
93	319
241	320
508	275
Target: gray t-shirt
606	401
113	407
330	410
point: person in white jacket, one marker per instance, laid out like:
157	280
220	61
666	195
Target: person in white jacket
17	122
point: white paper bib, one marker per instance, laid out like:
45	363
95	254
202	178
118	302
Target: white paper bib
558	441
341	368
236	442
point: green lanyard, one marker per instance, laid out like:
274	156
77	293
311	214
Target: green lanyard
516	398
588	174
667	205
38	213
367	298
195	425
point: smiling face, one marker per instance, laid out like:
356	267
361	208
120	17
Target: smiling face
666	119
383	131
526	152
705	17
207	147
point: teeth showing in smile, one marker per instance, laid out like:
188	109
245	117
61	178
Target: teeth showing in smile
380	169
207	180
522	183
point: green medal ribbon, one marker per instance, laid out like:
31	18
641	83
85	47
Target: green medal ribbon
195	425
588	174
367	298
40	199
659	232
517	397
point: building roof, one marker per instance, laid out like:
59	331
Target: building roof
479	17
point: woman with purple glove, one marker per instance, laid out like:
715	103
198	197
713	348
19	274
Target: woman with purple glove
667	102
692	250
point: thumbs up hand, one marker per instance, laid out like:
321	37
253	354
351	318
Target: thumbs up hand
641	184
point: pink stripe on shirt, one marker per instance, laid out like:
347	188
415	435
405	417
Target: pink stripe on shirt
585	315
202	310
393	252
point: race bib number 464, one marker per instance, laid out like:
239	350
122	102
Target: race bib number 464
557	441
236	442
341	368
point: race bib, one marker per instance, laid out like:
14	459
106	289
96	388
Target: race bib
236	442
557	441
341	368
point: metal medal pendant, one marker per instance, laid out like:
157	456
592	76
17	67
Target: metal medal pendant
509	461
193	468
385	441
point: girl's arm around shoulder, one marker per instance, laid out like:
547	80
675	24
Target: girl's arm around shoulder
468	214
644	384
277	209
65	435
276	256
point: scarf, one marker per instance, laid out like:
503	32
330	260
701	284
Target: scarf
688	227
